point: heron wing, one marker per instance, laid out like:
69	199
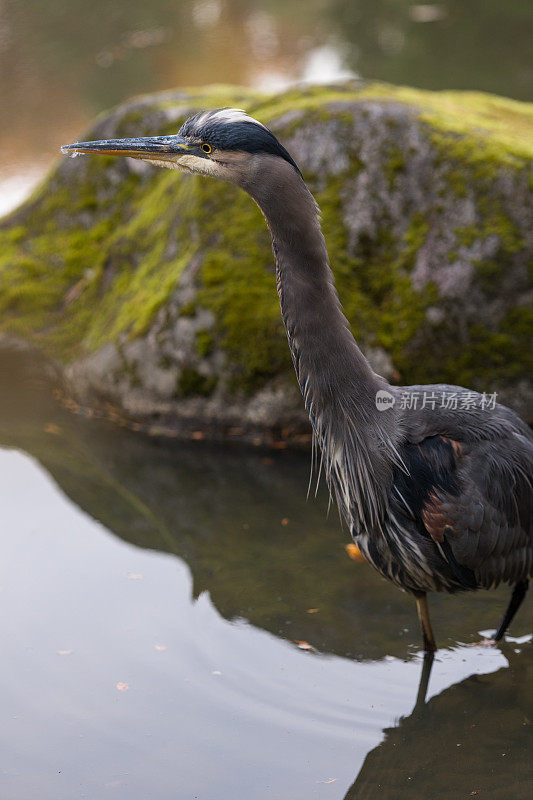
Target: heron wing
475	501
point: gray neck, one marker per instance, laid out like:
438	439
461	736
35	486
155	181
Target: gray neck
337	383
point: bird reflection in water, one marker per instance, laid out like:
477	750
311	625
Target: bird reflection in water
473	739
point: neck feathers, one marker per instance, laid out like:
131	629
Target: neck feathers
338	386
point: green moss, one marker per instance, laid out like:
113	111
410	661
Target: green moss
468	235
379	301
188	310
394	165
413	239
476	127
98	249
204	342
497	223
192	383
487	272
165	362
505	353
85	286
456	179
237	285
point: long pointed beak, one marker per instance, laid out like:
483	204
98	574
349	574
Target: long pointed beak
150	147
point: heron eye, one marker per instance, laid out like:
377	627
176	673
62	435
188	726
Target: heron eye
206	148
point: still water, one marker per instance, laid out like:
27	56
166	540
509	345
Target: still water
155	599
64	61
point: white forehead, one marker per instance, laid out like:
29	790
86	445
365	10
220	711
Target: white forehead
226	115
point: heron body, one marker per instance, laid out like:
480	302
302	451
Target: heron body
435	482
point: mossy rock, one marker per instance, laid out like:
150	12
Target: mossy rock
136	278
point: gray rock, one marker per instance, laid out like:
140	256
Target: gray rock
156	290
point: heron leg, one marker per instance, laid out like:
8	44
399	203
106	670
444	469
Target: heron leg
424	680
519	592
425	623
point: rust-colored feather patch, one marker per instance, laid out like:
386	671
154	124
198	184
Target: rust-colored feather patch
457	447
434	519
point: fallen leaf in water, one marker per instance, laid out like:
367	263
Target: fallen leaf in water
134	576
329	780
312	610
354	552
123	687
304	645
197	435
64	652
285	521
160	647
51	428
267	460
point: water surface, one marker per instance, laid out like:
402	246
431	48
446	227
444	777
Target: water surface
154	593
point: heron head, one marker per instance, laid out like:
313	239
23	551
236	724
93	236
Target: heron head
225	143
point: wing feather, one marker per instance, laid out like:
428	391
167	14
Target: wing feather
475	501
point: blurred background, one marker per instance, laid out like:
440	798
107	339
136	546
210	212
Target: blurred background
178	621
64	61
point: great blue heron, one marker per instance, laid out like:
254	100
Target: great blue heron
434	481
